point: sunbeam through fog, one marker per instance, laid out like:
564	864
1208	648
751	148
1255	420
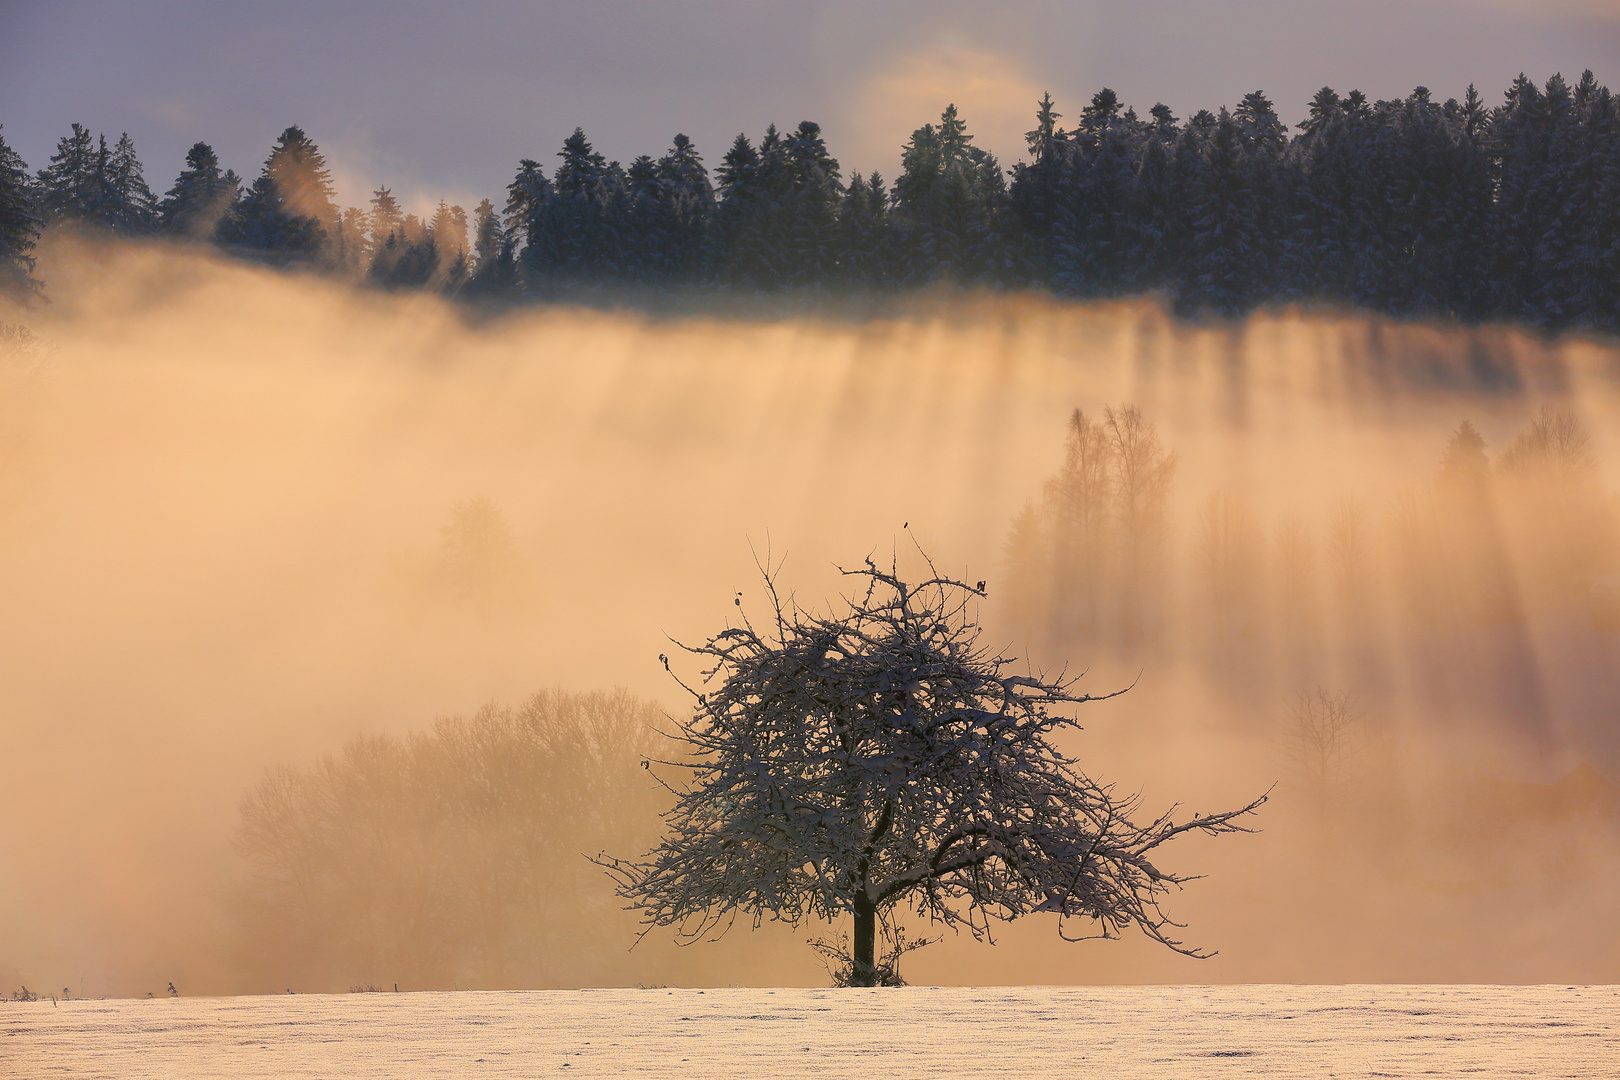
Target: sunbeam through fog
246	517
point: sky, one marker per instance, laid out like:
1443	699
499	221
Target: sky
440	100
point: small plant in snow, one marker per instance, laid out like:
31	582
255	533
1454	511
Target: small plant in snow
841	962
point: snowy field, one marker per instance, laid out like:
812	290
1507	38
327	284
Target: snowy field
1112	1032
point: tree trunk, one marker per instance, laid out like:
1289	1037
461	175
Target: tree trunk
865	967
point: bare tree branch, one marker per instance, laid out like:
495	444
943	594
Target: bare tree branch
877	758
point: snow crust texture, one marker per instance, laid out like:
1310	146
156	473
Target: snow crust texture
1113	1032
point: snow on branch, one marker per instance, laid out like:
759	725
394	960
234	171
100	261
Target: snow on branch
878	757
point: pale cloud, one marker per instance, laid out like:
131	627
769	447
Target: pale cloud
992	92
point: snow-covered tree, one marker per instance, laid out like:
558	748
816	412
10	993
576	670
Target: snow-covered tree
949	201
648	231
686	188
777	220
863	234
1099	240
878	759
810	207
573	233
736	240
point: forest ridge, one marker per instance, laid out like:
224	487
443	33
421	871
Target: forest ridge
1411	207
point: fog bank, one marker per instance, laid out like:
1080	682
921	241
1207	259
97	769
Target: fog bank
246	516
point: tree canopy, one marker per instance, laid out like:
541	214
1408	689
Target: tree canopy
878	759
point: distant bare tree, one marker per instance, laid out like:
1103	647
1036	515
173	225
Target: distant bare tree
1554	440
1347	545
448	856
1080	506
1465	466
1027	567
1320	733
1296	573
1228	548
477	560
877	758
1144	471
1085	562
1563	530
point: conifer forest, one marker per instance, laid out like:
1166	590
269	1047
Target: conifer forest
1411	207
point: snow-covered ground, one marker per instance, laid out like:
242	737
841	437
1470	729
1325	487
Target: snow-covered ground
739	1034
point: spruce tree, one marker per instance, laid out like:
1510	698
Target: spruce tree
1521	139
19	225
862	229
70	187
686	188
386	219
200	197
1258	124
649	229
90	183
1165	125
448	232
488	236
581	169
810	207
351	243
1473	115
1329	205
1264	139
732	238
287	212
1101	237
1046	130
385	224
927	250
949	200
525	195
573	236
494	268
1035	194
131	208
1155	211
1219	259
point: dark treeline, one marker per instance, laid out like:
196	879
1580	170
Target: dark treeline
1411	206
